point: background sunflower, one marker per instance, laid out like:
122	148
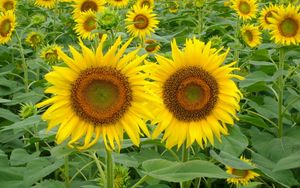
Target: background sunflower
246	9
251	35
7	26
46	3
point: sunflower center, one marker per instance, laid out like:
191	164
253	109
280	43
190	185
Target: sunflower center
145	3
248	35
90	24
89	5
289	27
141	21
8	5
5	27
269	15
241	173
190	94
244	7
101	95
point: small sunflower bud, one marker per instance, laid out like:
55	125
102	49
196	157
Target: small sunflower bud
50	54
109	19
121	177
38	18
27	110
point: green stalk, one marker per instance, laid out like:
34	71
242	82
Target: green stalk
66	172
109	169
236	36
142	180
24	65
184	158
280	93
102	174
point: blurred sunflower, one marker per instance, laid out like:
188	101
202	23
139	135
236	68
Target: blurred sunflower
7	26
245	176
246	9
6	5
118	3
173	7
266	14
285	26
251	35
97	94
147	3
34	39
86	23
151	46
193	95
141	22
81	6
50	54
45	3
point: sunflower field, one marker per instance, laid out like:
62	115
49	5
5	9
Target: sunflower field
149	93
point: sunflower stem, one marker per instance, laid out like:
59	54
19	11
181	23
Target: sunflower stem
102	174
280	93
24	65
142	180
237	43
109	169
66	172
184	158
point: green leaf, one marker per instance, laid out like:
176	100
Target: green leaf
290	162
25	124
229	160
39	168
234	143
284	177
20	156
49	184
178	171
6	114
255	77
257	121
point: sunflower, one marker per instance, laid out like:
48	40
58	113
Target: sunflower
118	3
141	21
251	35
173	7
151	46
285	26
6	5
147	3
86	23
46	3
193	95
266	14
50	54
7	26
244	175
34	39
246	9
97	94
81	6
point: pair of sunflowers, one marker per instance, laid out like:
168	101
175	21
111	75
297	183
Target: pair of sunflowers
191	97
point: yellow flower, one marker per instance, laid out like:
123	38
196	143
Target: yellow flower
266	14
97	95
193	95
118	3
86	23
34	39
46	3
173	7
285	26
251	35
245	176
141	22
50	54
7	26
81	6
147	3
151	46
6	5
246	9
